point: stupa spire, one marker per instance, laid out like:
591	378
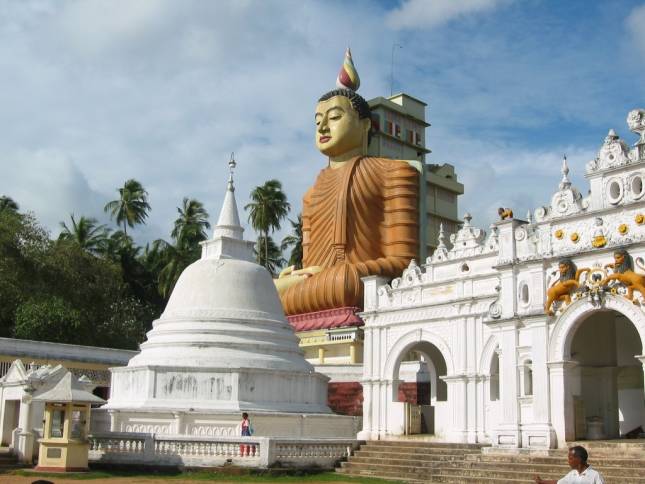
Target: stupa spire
228	241
229	218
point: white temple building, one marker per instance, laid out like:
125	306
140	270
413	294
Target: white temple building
502	369
223	346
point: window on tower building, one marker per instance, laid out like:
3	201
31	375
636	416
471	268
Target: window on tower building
397	130
376	122
410	136
417	138
389	128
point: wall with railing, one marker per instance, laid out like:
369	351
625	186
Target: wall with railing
189	451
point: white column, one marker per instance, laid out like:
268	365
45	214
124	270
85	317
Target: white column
508	432
562	412
483	397
540	335
25	450
367	433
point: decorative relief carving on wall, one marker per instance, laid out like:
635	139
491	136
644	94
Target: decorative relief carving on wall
614	152
618	278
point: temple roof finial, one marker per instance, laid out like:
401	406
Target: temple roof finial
441	237
565	182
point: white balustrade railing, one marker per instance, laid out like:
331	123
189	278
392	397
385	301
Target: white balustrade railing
151	449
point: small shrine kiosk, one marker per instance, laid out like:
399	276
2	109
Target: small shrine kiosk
64	446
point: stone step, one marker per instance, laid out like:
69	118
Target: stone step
427	463
613	447
384	454
421	449
544	468
425	443
528	474
601	462
413	471
492	480
395	476
411	459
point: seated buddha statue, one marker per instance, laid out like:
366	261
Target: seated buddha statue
360	217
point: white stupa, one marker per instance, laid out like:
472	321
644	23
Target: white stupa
222	346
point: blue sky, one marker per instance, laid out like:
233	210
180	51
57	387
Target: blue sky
163	91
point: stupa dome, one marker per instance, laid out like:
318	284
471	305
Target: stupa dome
223	341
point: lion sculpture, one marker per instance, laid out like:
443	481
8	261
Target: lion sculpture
623	267
564	286
504	213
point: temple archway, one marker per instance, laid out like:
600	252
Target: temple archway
596	370
419	395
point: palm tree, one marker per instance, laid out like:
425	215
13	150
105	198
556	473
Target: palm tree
274	261
188	231
132	206
268	207
86	233
175	258
192	223
294	240
8	204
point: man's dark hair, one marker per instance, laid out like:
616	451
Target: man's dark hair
245	415
580	452
358	103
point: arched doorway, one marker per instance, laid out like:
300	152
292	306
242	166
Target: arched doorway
607	341
607	378
417	385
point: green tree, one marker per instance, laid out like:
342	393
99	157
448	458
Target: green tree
132	206
23	246
127	322
86	233
294	240
274	261
51	318
191	225
8	204
268	207
189	229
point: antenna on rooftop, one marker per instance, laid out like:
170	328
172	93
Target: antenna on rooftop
394	46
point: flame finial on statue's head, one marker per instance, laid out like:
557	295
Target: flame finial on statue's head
348	76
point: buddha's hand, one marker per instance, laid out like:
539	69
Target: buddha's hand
289	277
302	273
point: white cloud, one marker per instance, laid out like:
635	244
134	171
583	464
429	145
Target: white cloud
433	13
163	91
48	183
636	28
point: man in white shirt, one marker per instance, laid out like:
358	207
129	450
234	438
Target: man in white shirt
581	472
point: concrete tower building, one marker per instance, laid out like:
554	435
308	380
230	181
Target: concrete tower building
399	124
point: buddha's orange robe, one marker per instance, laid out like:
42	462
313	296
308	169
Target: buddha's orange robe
357	220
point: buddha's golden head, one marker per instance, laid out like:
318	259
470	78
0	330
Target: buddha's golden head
342	124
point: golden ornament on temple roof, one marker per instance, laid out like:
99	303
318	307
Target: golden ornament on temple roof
575	237
623	229
559	234
639	219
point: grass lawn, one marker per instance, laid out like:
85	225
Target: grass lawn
229	475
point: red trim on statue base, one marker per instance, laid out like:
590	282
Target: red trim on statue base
330	318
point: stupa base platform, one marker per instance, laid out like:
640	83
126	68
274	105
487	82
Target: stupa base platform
225	423
165	388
